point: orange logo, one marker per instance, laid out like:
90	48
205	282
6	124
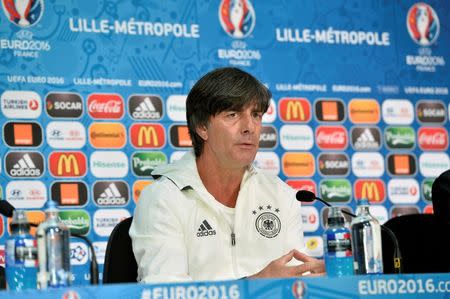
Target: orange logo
364	111
69	194
107	135
147	135
138	186
330	111
183	136
298	164
23	134
401	164
295	110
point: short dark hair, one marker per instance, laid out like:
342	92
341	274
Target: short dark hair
223	89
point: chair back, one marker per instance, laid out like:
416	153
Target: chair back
120	265
422	244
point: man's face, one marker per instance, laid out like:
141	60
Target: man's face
232	137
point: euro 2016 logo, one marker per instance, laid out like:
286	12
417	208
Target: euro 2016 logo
23	13
423	24
237	17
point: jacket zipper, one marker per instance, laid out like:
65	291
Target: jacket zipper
233	239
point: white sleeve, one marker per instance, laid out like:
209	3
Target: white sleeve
157	236
295	238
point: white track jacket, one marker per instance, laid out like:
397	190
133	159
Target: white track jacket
179	232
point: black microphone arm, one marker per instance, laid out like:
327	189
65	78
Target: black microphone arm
308	196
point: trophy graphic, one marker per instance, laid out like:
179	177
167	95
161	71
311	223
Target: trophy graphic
22	8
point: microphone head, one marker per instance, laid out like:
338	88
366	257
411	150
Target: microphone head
305	196
6	209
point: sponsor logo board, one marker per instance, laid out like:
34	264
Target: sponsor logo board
314	246
364	111
333	164
366	138
335	190
78	253
271	114
176	107
329	110
24	164
433	164
432	138
145	107
401	164
368	164
147	135
111	193
373	190
107	135
69	193
298	164
267	161
310	218
179	136
403	191
331	138
67	164
294	109
427	185
109	164
26	194
21	104
400	137
268	137
430	111
308	185
106	219
143	163
64	105
22	134
105	106
78	221
397	112
296	137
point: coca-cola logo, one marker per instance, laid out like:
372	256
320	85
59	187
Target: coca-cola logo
105	106
433	138
334	137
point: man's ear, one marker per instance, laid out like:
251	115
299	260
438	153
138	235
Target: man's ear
202	132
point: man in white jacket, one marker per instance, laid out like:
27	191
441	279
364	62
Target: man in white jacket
212	215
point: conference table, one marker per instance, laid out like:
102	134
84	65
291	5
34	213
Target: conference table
367	286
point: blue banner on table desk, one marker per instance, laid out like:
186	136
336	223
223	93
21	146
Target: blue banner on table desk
365	286
93	98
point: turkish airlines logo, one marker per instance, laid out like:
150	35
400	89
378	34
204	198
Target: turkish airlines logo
433	139
21	104
431	112
111	193
145	107
64	105
24	164
105	106
331	138
308	185
147	135
107	135
401	191
401	164
18	134
372	190
179	136
366	138
295	110
298	164
67	164
106	219
364	111
330	110
69	193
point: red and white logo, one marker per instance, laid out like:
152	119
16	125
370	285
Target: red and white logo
308	185
105	106
332	138
433	138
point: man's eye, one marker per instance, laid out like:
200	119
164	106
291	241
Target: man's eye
232	114
257	115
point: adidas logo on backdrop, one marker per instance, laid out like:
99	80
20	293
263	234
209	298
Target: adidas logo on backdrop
205	230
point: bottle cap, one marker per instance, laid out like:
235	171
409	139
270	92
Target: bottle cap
335	216
363	202
19	217
51	206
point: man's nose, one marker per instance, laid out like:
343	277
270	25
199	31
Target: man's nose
248	124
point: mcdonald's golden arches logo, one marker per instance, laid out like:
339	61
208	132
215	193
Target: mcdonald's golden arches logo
147	135
373	190
67	164
295	110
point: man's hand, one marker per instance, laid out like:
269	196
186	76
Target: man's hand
277	268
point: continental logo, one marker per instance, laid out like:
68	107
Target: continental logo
364	111
373	190
179	136
22	134
431	112
329	110
298	164
107	135
69	193
67	164
147	135
138	186
295	110
401	164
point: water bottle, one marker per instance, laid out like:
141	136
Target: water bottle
366	241
21	254
337	245
53	251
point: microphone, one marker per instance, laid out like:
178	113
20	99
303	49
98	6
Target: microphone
308	196
6	209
